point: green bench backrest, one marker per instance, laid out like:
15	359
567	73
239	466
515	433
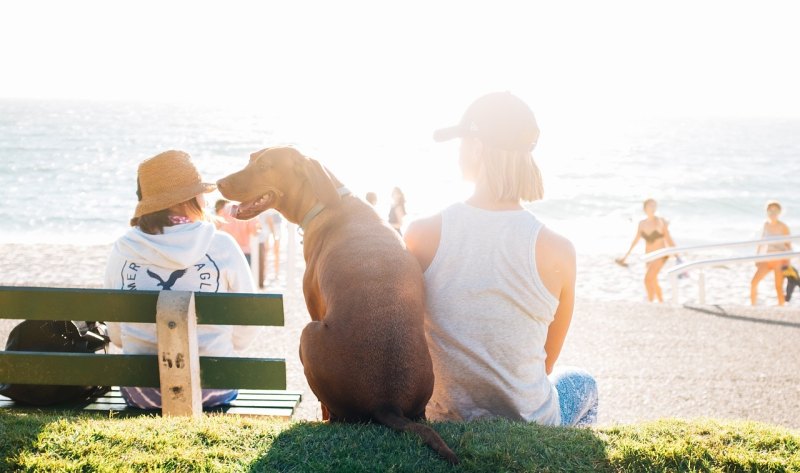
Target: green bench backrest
139	306
110	305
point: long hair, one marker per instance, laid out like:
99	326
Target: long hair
510	175
154	223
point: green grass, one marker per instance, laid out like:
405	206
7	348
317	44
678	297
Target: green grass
50	442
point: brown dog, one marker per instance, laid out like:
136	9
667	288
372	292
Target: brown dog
364	353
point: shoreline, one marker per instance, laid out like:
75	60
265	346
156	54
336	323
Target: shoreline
598	279
650	360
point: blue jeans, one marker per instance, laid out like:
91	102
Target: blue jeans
577	396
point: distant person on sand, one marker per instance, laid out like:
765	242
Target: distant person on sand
654	230
241	230
372	198
269	241
500	285
173	246
772	228
398	210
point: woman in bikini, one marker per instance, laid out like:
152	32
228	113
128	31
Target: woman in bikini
772	228
654	230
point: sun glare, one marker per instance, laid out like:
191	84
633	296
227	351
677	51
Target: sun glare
362	85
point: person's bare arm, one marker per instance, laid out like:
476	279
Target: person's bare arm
422	239
667	235
636	239
558	274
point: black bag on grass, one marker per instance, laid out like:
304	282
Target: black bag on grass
55	336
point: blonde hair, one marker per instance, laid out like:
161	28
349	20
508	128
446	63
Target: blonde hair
648	201
510	175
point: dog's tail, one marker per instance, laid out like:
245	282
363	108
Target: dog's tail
393	418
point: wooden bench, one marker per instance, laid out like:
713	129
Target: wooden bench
177	369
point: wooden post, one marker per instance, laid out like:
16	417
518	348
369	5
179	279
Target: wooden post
179	361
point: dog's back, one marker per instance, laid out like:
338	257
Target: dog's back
374	313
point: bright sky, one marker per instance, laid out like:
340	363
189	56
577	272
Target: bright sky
370	59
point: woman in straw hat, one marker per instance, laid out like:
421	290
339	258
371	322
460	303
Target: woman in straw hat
172	246
500	286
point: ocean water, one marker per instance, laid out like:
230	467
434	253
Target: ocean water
67	171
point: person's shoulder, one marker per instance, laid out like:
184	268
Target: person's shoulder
224	239
555	260
422	239
425	227
556	245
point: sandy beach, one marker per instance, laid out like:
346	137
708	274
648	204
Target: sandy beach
650	361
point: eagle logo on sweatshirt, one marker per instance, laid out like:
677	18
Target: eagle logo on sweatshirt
202	276
167	285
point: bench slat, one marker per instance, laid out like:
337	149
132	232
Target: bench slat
124	410
261	395
113	402
135	370
268	397
80	369
250	411
110	305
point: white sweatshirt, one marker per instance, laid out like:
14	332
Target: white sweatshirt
188	257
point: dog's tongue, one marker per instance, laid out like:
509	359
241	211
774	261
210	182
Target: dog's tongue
251	208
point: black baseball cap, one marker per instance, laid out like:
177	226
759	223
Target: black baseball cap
500	120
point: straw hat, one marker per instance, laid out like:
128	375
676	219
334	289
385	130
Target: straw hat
168	179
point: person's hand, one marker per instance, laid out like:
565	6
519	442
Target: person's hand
621	262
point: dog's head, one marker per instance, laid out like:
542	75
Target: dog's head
279	178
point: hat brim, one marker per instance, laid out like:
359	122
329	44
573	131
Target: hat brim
155	203
447	134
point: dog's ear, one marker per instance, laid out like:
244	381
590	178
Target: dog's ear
323	184
254	156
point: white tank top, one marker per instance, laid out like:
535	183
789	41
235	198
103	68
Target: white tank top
489	313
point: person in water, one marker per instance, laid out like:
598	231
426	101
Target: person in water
772	228
654	230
